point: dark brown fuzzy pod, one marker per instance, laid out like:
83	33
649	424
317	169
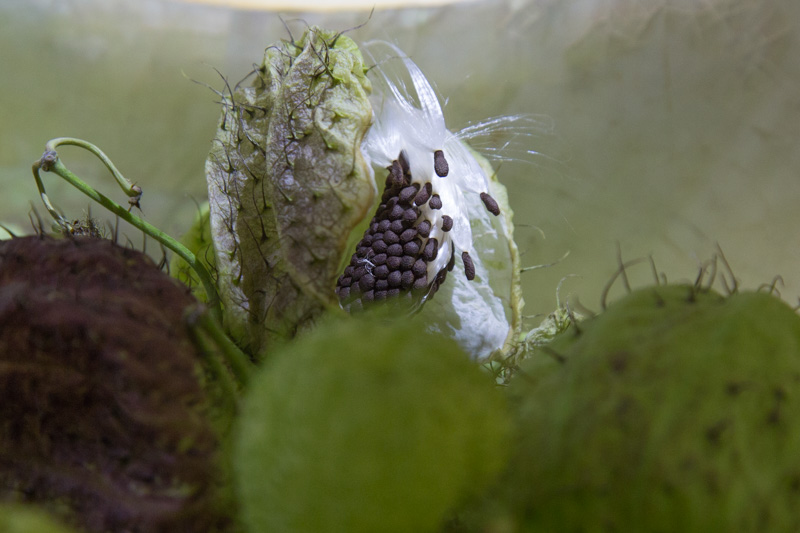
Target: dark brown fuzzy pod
104	418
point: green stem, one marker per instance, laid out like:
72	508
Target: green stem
240	364
50	162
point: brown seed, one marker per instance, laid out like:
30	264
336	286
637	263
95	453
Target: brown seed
407	262
379	259
407	279
381	272
383	225
394	279
447	223
407	194
408	235
490	203
469	267
380	295
373	227
411	248
344	292
397	226
361	251
366	282
411	215
396	213
366	241
348	271
421	283
390	237
403	160
440	164
395	250
393	262
420	268
359	271
381	285
368	296
435	202
396	172
430	251
379	247
345	281
424	228
424	194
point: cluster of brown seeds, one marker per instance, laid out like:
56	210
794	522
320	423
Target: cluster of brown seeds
392	258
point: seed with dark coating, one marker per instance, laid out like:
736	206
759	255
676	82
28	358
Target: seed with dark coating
435	202
407	194
421	283
380	272
402	158
407	262
420	268
424	228
379	259
383	225
344	281
440	164
408	235
395	250
431	249
398	226
394	279
447	223
411	215
396	172
424	194
393	262
490	203
390	237
379	247
407	279
411	248
367	282
469	267
358	272
396	213
381	285
344	292
380	295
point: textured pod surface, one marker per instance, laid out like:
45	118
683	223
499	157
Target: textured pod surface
674	410
287	184
364	427
102	408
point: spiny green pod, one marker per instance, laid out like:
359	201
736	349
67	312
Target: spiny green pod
28	519
287	184
364	427
675	410
105	407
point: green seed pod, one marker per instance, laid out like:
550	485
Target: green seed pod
675	410
106	417
28	519
363	427
287	184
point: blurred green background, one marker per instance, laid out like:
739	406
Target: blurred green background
666	126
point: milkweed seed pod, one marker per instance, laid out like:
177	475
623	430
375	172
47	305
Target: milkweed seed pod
105	408
439	212
287	184
674	410
292	180
357	428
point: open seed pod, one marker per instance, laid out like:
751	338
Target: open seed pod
105	417
291	184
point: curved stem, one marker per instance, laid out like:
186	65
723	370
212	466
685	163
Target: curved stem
51	163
